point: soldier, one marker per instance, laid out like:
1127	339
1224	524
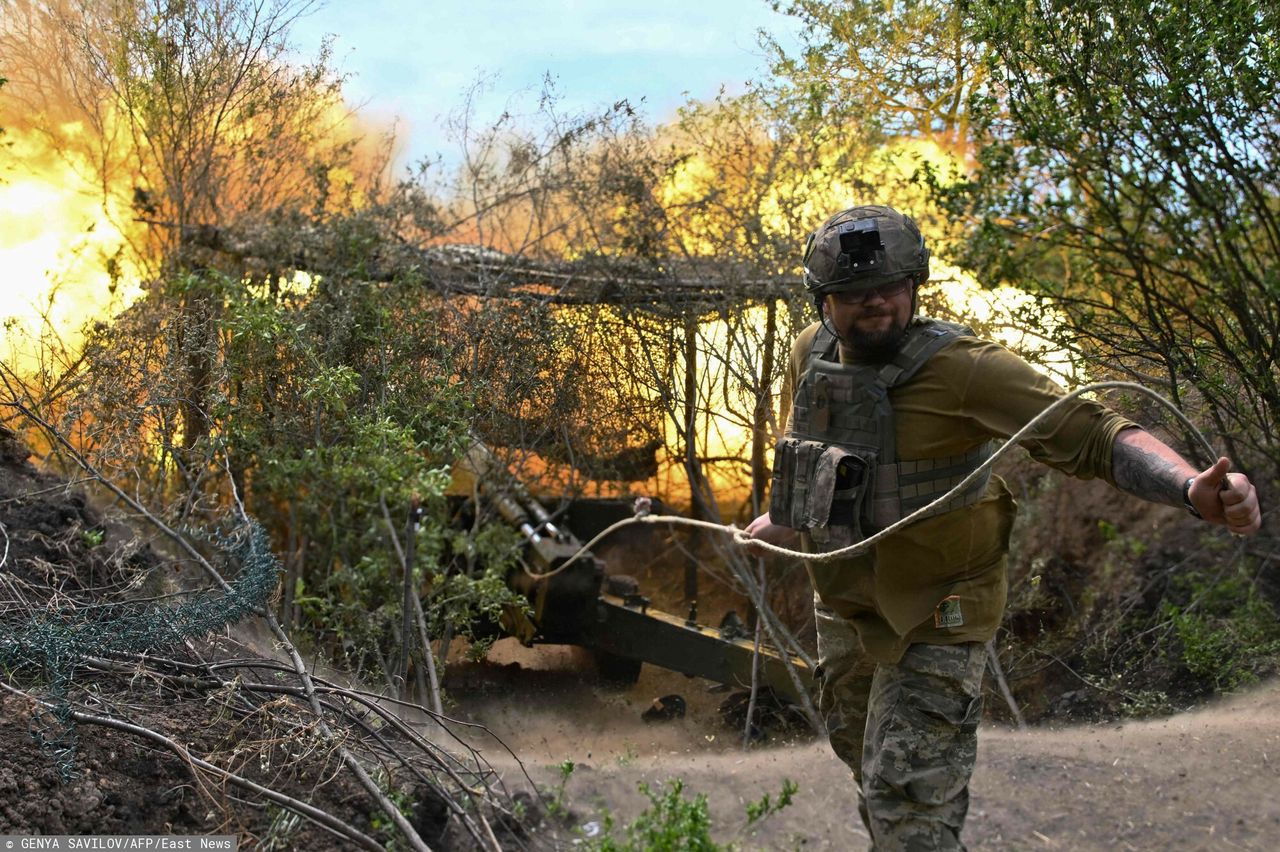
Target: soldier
887	410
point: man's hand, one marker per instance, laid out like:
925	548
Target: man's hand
1146	467
1225	498
764	529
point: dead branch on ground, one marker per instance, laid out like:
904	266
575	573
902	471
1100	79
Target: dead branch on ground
358	728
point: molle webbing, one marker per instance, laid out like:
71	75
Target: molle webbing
848	406
906	486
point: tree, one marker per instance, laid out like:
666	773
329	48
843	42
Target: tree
1128	174
884	70
196	112
887	89
196	109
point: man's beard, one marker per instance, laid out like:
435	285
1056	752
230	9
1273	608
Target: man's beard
875	345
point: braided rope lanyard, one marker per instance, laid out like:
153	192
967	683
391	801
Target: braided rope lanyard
740	535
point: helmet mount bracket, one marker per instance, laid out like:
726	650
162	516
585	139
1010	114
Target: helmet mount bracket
861	249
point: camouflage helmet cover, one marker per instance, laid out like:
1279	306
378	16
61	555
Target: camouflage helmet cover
864	247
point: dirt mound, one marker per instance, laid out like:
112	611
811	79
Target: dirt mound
191	731
122	786
64	565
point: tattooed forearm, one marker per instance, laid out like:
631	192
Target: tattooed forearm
1145	474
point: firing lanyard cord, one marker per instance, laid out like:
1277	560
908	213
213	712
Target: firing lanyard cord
740	536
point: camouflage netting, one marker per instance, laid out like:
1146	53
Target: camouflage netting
54	644
194	730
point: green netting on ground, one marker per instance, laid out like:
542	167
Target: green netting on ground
55	644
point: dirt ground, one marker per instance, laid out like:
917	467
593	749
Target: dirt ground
1206	779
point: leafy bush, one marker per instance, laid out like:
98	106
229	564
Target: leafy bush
326	407
671	823
1228	632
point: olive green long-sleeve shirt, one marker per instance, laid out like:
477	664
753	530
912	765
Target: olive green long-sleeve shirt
943	579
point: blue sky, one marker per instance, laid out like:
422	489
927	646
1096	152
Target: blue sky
414	61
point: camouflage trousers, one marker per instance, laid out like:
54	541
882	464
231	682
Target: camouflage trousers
907	730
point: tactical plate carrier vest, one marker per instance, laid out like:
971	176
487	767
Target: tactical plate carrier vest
837	474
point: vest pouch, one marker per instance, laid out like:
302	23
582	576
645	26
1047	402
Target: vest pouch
838	503
824	490
794	462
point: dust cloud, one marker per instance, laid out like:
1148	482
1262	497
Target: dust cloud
1201	780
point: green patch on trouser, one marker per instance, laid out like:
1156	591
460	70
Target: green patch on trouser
908	731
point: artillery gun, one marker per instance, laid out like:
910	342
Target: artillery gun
582	604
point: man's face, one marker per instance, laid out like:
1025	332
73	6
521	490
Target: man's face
872	322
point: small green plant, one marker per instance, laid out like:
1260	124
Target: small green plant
282	830
556	806
1146	702
1111	534
671	823
379	820
628	756
91	538
757	811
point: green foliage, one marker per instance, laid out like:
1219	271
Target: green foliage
757	811
470	600
330	406
1112	535
671	823
556	806
281	830
381	821
1229	633
865	62
1125	171
1133	621
341	407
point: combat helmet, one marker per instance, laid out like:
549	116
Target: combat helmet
864	247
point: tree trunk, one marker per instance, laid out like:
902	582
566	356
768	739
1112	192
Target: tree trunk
693	471
761	440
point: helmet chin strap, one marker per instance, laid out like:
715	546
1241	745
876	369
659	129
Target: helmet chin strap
822	318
